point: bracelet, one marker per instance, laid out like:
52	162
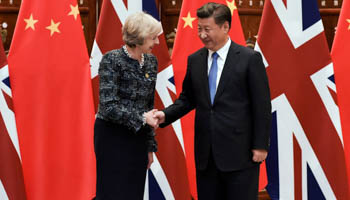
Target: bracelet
144	120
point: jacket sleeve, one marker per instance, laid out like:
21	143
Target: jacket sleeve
261	102
110	105
152	145
185	103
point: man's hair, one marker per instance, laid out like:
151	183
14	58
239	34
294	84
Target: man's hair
220	12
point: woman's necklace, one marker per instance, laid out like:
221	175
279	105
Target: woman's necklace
129	55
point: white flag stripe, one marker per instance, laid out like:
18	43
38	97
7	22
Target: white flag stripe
146	194
9	120
7	115
322	84
290	17
161	179
121	10
288	125
96	56
257	48
3	195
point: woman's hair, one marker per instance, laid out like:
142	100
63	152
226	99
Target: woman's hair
138	26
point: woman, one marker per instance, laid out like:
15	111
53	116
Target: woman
124	137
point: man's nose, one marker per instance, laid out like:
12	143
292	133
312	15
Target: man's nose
202	35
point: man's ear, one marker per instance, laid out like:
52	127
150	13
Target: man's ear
226	27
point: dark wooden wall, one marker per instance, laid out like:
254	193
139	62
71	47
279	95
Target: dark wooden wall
8	16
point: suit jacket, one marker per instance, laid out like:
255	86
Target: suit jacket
239	119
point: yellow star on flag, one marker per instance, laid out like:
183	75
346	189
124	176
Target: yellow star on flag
53	27
74	11
232	6
188	20
348	20
30	22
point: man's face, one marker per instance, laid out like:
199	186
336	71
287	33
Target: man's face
212	35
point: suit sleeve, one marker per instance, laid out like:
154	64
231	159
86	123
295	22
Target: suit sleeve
261	102
185	103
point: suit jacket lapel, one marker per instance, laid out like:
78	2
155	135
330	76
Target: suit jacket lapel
228	70
204	72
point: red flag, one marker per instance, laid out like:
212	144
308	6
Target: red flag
340	56
11	175
53	103
169	167
186	43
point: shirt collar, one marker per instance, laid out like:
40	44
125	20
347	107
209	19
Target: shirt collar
223	51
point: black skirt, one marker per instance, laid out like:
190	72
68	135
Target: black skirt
121	159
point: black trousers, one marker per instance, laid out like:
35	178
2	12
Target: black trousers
213	184
121	159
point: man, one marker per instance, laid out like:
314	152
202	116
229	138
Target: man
227	85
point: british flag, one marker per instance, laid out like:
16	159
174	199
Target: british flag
306	159
167	178
11	174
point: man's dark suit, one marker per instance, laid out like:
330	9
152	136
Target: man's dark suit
239	119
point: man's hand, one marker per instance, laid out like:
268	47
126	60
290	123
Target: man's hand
259	155
160	116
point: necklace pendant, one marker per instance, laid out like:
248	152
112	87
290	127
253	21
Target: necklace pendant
147	75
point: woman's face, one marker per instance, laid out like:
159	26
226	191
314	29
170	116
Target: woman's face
149	43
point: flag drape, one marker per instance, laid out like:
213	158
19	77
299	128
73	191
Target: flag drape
340	56
306	158
53	103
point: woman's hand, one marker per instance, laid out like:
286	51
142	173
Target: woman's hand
150	119
150	159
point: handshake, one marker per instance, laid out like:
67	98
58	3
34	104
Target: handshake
154	118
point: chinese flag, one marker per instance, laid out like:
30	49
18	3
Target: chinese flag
340	56
53	103
186	43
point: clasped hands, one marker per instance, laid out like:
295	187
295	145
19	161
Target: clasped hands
154	118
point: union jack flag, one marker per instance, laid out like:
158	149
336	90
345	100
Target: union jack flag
11	175
167	178
306	159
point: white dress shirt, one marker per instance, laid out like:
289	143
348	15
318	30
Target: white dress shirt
221	59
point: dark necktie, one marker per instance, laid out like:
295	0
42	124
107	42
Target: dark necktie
212	76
